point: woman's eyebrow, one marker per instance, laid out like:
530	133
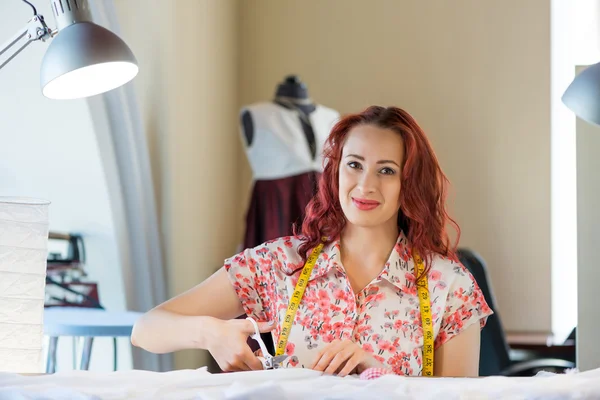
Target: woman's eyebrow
388	162
356	156
378	162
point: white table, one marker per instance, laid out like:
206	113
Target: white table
86	323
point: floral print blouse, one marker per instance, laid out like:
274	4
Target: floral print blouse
383	318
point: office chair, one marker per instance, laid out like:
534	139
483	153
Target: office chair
494	356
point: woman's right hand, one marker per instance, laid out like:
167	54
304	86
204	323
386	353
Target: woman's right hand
229	347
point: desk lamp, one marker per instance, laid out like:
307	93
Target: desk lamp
83	59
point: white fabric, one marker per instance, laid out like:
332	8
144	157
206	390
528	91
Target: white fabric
289	384
279	148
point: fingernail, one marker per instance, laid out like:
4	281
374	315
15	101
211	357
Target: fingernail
272	322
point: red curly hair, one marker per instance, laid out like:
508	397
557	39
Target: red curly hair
422	217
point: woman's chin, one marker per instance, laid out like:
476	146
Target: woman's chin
364	221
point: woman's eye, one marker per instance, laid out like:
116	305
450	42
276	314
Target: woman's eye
354	164
387	171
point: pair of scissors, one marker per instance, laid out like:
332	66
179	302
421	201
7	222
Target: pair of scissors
268	361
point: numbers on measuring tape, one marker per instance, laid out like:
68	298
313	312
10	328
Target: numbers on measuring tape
426	321
296	298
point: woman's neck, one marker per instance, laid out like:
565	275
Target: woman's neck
371	245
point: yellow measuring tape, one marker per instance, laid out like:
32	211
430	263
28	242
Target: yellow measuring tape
424	303
426	321
295	299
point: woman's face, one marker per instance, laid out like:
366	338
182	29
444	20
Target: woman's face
369	182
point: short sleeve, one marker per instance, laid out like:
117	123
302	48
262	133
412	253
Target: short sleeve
465	305
251	274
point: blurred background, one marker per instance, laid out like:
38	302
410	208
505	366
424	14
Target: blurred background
482	78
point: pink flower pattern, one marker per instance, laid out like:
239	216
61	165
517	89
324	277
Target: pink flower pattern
383	318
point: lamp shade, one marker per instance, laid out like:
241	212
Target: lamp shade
85	59
23	254
583	95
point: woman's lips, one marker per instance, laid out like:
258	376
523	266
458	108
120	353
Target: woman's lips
364	204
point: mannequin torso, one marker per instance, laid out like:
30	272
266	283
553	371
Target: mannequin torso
291	94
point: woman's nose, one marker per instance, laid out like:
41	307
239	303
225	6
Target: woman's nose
368	182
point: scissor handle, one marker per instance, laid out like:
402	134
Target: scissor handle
256	336
265	363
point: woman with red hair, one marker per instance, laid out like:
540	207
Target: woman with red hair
379	210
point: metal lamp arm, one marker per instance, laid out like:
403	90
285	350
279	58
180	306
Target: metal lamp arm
36	29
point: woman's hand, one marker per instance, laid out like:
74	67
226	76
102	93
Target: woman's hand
228	344
344	357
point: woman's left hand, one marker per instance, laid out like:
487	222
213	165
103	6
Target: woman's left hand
344	357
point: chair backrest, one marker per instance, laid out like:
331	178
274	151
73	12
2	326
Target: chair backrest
494	355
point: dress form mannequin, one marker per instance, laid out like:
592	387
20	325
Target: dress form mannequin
283	140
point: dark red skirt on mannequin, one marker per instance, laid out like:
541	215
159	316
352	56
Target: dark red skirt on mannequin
276	205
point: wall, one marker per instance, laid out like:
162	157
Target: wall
187	86
475	74
49	150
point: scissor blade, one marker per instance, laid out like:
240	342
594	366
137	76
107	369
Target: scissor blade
277	360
